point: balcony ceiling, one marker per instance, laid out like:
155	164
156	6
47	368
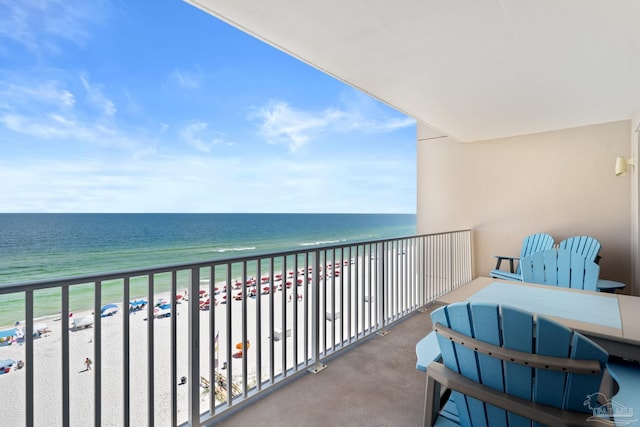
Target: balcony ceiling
472	70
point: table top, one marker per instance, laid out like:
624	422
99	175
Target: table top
610	285
610	316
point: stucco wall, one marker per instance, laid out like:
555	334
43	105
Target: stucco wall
560	182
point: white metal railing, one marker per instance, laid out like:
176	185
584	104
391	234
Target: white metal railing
248	324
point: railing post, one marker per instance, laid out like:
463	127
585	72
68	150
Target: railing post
382	287
64	320
97	346
174	346
126	363
28	342
150	351
422	273
315	317
193	351
451	263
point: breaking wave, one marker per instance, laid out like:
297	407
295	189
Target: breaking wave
318	243
223	250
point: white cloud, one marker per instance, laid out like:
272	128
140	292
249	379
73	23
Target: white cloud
97	98
47	93
283	124
42	26
198	135
187	79
57	128
280	123
51	112
49	126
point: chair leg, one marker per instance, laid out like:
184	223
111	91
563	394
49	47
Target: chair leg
432	401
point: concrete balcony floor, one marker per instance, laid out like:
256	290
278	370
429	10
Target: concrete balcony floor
374	384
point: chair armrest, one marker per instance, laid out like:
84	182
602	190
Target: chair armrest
440	376
627	383
427	351
509	258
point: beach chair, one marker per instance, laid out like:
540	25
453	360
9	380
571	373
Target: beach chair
532	244
586	246
502	366
560	267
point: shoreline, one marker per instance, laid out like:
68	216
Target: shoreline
251	281
113	291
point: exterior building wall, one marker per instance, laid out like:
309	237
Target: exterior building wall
560	182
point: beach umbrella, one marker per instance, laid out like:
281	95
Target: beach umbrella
5	365
138	302
163	310
108	310
241	349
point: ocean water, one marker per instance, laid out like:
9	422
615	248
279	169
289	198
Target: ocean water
46	246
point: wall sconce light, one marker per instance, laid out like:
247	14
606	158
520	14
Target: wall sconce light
621	165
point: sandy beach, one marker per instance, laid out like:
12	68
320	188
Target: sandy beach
48	359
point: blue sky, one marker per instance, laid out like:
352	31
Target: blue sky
119	106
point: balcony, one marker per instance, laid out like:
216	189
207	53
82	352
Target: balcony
285	316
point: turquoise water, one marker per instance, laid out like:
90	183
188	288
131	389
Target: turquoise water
46	246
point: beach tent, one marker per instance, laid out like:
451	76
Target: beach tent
5	365
82	322
108	310
7	336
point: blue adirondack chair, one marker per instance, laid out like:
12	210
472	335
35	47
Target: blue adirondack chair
561	267
532	244
505	367
587	246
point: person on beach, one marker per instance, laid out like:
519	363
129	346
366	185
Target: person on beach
87	363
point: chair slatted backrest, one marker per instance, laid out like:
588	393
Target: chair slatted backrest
560	267
531	244
535	243
514	329
587	246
